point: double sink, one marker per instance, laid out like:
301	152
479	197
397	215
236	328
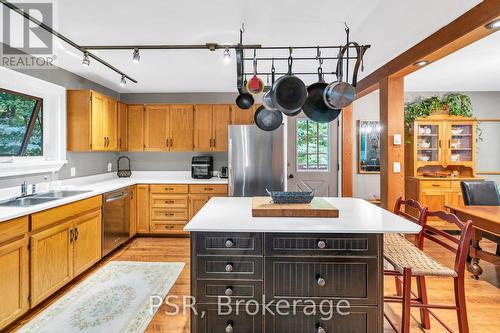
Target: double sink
40	198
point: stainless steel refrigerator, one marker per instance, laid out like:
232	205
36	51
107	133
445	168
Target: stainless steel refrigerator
256	161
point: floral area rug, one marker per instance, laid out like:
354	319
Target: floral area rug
117	298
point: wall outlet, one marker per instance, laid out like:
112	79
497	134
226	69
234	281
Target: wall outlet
73	172
110	167
397	139
397	167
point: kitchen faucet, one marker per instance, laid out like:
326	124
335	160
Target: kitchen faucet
24	189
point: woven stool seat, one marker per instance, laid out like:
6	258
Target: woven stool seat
419	262
396	239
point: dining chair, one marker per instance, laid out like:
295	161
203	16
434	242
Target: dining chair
411	261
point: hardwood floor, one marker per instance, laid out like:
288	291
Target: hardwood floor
483	296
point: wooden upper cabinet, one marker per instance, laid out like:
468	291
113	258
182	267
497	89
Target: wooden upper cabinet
211	127
181	118
156	128
122	127
135	127
242	116
92	121
203	127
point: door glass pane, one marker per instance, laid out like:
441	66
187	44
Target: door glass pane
461	143
428	143
312	145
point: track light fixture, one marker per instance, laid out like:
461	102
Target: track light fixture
123	82
136	58
227	55
86	59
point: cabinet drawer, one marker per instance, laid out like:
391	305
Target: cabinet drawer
222	243
359	320
237	321
169	214
169	201
208	291
456	185
13	228
321	245
237	268
208	189
158	227
354	279
165	189
435	184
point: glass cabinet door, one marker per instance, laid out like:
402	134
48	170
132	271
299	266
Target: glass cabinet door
460	142
428	143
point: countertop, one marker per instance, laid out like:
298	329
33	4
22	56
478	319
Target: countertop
234	214
100	184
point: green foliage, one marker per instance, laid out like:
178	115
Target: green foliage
15	114
312	145
458	105
422	109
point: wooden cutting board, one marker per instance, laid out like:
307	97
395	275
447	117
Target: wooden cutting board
319	207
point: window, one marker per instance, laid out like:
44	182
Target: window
21	127
313	146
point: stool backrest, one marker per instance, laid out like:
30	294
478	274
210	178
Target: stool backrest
418	210
458	246
480	193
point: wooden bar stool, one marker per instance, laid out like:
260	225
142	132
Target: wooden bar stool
411	261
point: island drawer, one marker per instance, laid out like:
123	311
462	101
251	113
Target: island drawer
353	279
208	291
359	320
277	244
226	243
231	268
237	321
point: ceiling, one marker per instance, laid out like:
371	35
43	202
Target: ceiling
473	68
390	26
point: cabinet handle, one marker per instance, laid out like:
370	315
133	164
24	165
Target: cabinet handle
169	188
440	143
71	235
229	268
229	327
436	185
171	143
321	330
321	282
321	244
208	188
449	143
76	234
229	243
169	214
169	201
210	143
166	142
169	227
229	291
120	141
215	143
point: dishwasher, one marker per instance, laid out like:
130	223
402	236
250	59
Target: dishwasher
116	219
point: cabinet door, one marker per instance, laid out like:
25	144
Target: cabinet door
203	130
142	195
133	211
196	202
221	119
51	261
14	274
456	199
98	118
135	137
181	127
87	243
429	143
241	116
156	128
461	143
435	200
122	127
111	124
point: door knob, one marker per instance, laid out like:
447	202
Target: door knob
290	176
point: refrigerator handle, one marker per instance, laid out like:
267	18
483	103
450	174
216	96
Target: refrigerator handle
230	166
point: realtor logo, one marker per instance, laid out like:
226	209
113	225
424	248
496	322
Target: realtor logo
25	44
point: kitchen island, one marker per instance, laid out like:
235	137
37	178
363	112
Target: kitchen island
289	275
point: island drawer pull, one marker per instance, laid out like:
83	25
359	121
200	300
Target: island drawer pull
229	268
321	244
229	291
229	327
229	243
321	329
320	281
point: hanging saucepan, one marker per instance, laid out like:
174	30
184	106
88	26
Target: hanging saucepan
340	94
267	120
244	99
267	99
289	92
315	107
255	85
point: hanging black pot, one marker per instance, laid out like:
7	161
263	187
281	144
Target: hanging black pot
289	92
244	99
268	120
315	107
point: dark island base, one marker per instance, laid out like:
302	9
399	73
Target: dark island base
313	271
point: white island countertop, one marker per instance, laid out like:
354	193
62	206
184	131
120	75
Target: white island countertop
355	216
96	185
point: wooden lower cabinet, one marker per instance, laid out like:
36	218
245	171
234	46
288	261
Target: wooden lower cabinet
196	202
133	210
87	241
142	195
14	277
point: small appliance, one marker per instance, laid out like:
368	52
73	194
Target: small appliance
202	167
223	173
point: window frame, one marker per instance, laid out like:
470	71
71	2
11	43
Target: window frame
328	150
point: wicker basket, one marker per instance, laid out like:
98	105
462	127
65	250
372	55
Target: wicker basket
280	197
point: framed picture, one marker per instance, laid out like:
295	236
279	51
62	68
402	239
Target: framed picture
368	146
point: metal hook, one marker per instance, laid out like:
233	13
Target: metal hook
290	50
242	27
318	56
